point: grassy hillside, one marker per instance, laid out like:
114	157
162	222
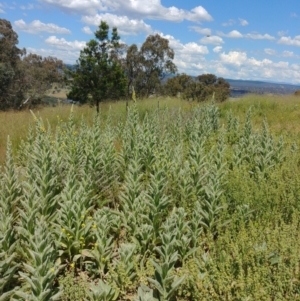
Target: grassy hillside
281	112
15	124
176	202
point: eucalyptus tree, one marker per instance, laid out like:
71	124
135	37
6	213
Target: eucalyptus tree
98	75
11	93
39	73
200	88
148	66
177	84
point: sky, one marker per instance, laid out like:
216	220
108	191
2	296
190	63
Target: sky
234	39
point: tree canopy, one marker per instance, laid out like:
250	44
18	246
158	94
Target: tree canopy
23	78
38	74
98	74
201	88
146	67
10	93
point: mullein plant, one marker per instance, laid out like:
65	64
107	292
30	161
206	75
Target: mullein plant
136	208
10	194
123	268
72	225
184	235
100	249
9	265
102	162
39	271
211	206
131	196
164	281
101	291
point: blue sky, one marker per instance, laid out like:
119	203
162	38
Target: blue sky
249	39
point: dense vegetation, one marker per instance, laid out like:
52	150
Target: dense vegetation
200	89
165	205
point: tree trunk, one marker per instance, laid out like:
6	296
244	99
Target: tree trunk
97	106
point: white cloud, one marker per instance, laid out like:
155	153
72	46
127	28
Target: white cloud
255	36
198	66
68	56
189	48
270	51
295	67
198	14
229	23
232	34
287	53
123	23
243	22
87	30
281	64
217	49
240	59
290	41
258	36
294	15
194	49
1	10
37	26
213	40
135	9
204	31
27	7
189	57
89	7
282	33
234	58
236	64
64	44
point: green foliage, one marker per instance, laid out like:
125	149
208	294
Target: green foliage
73	287
38	75
201	89
24	79
102	291
98	75
164	282
165	205
11	93
146	67
40	269
176	85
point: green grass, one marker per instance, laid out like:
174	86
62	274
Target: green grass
281	112
189	201
15	124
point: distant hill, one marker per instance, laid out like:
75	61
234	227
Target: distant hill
241	87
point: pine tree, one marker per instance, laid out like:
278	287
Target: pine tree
98	75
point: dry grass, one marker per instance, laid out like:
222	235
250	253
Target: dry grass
281	112
15	124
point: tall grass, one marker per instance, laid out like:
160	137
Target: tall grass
15	124
281	111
